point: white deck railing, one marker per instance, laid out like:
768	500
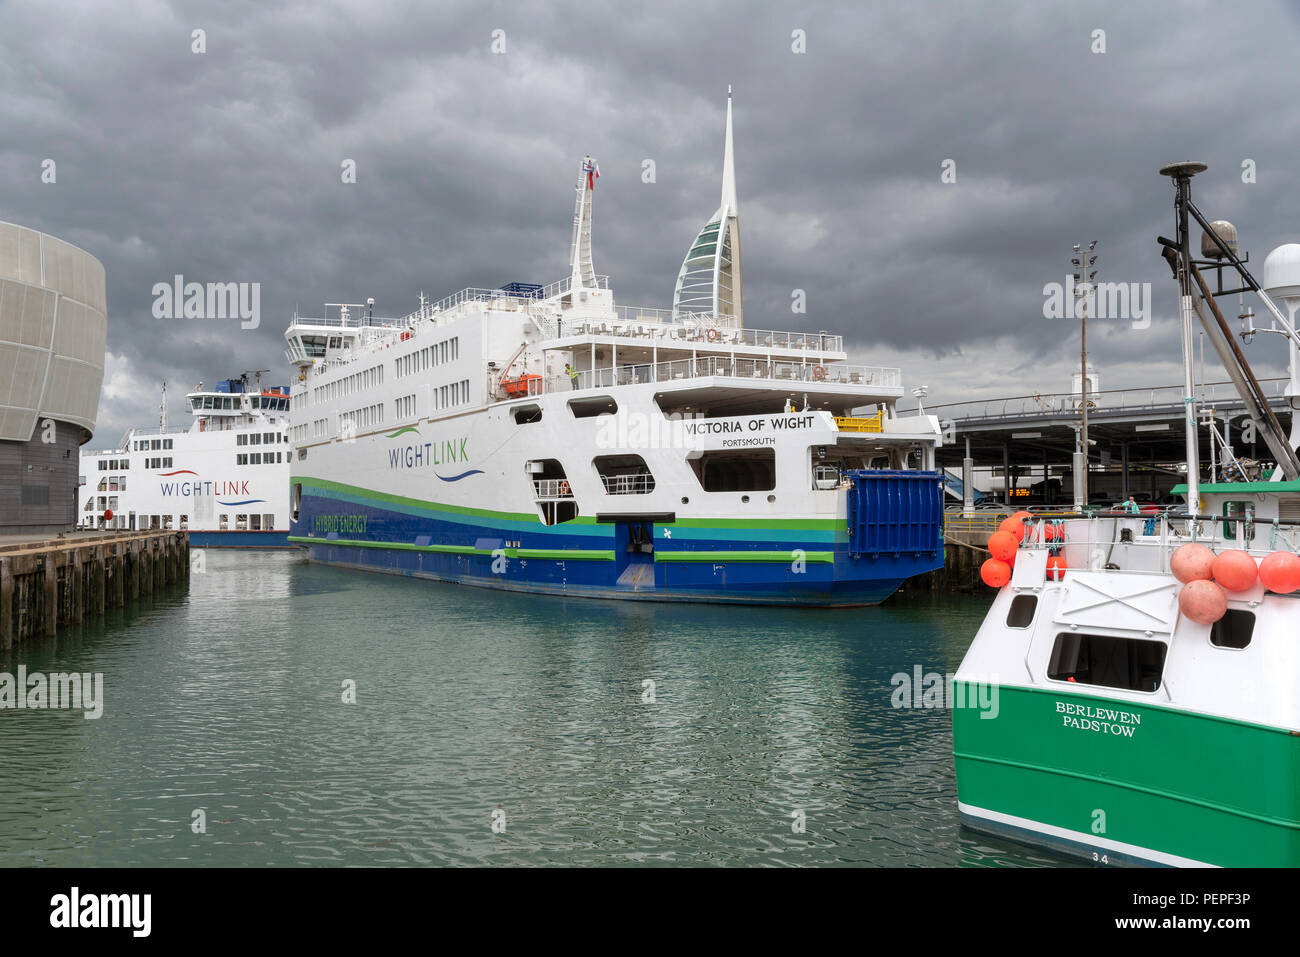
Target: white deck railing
807	375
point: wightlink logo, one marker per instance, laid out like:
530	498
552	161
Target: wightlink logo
419	455
1129	301
36	691
214	300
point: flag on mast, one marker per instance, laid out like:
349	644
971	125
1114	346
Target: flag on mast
592	169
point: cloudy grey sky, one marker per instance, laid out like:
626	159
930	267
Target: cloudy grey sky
225	166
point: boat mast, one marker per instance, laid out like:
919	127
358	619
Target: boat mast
1182	174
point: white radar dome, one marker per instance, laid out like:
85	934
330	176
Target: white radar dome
1282	272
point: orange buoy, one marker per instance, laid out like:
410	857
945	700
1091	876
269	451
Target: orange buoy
1053	532
1056	568
1191	562
1013	526
1002	546
108	514
1280	572
1235	570
1202	601
995	573
1023	515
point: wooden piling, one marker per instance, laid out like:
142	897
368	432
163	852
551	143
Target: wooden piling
46	584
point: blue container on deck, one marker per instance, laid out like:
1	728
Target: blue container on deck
524	290
895	512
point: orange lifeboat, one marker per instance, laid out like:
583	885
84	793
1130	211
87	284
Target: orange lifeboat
519	386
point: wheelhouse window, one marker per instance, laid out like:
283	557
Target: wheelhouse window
1133	664
1234	629
1021	612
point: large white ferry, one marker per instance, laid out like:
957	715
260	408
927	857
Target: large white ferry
224	479
1145	668
545	438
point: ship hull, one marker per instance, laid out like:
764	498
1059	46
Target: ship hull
209	538
781	562
1133	784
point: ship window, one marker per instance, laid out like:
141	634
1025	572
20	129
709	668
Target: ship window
1021	614
1244	510
255	522
595	405
241	523
1233	630
1134	664
736	471
268	523
297	500
527	413
241	439
185	521
624	474
224	523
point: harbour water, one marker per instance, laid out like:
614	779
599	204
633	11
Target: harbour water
475	707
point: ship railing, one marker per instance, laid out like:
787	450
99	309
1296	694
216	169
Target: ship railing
659	326
561	286
355	320
800	375
1090	542
637	483
552	488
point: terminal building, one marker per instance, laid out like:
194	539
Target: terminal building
53	325
1021	449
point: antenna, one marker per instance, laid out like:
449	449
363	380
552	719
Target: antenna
162	407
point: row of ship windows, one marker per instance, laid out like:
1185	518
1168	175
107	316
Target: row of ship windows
124	465
232	403
152	445
446	351
259	458
406	407
260	438
243	523
348	385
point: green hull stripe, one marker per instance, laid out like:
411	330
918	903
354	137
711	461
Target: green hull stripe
822	530
1158	792
559	554
754	556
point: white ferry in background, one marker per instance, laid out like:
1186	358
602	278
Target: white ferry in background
225	479
546	439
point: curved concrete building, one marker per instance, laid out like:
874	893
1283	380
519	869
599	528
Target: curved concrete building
53	325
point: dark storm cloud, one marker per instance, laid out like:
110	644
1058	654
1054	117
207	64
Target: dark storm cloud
225	166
